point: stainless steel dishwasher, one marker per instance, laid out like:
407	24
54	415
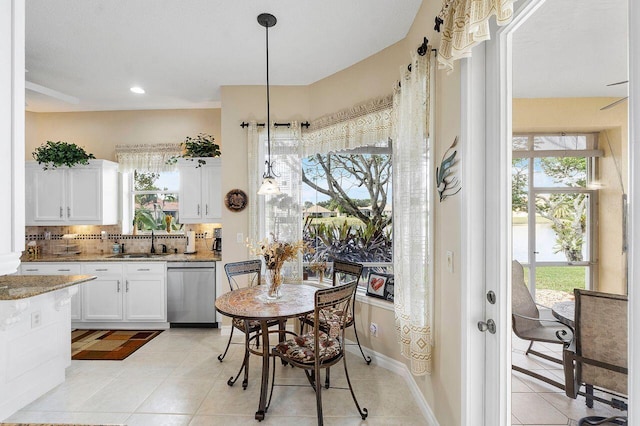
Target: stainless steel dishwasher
191	294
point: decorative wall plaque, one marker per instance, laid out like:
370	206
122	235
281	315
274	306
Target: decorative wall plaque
235	200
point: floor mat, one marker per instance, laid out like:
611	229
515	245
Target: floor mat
113	345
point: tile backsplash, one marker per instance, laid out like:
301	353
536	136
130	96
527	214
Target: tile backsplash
88	239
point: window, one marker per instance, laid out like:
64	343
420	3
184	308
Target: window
554	212
153	201
347	209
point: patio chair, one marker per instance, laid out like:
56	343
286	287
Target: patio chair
322	347
342	271
528	324
250	269
597	355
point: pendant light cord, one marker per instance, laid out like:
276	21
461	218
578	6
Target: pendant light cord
268	169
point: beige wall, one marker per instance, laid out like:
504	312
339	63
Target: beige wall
584	115
99	132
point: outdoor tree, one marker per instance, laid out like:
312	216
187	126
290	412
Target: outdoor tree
334	174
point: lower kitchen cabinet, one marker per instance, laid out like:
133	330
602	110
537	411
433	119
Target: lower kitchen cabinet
125	292
102	299
61	268
145	292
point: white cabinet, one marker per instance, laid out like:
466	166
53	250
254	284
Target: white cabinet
129	292
62	268
200	191
102	300
145	292
83	195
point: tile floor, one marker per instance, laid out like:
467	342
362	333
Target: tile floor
534	402
176	380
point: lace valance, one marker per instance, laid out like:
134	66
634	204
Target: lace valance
150	157
466	24
366	124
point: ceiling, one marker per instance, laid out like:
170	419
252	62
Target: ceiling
86	54
572	48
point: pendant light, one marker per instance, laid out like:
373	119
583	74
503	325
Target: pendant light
269	185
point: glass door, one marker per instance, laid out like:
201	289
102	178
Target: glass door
553	224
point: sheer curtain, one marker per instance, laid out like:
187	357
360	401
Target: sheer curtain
412	211
277	215
150	157
466	24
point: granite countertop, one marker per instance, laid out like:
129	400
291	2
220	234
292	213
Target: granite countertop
201	256
14	287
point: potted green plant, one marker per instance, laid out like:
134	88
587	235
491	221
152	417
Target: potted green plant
56	154
203	145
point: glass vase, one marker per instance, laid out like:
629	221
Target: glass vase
273	281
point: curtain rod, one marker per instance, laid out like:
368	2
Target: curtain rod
422	50
306	124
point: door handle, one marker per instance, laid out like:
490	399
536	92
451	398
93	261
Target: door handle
68	211
127	286
490	326
198	208
206	209
118	286
60	212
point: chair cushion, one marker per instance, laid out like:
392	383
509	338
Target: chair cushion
301	348
253	324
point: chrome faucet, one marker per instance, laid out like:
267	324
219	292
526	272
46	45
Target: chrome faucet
153	248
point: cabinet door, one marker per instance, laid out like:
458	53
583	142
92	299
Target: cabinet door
145	297
102	299
191	208
45	196
84	196
211	191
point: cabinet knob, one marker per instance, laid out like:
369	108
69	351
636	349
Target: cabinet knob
127	286
60	212
206	209
68	211
118	286
198	208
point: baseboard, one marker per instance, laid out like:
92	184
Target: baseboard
401	370
120	325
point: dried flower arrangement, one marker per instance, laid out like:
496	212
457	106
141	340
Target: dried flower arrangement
275	253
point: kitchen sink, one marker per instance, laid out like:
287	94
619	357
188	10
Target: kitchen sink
137	255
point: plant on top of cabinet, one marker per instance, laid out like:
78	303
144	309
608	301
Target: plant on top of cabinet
55	154
203	145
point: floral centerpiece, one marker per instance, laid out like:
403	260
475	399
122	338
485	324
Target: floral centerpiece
273	254
318	268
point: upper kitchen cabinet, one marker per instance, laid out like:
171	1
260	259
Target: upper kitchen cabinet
79	195
200	191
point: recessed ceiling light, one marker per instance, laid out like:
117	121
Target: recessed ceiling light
138	90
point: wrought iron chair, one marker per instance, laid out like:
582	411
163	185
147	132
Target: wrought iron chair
342	271
597	355
322	347
249	269
528	324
